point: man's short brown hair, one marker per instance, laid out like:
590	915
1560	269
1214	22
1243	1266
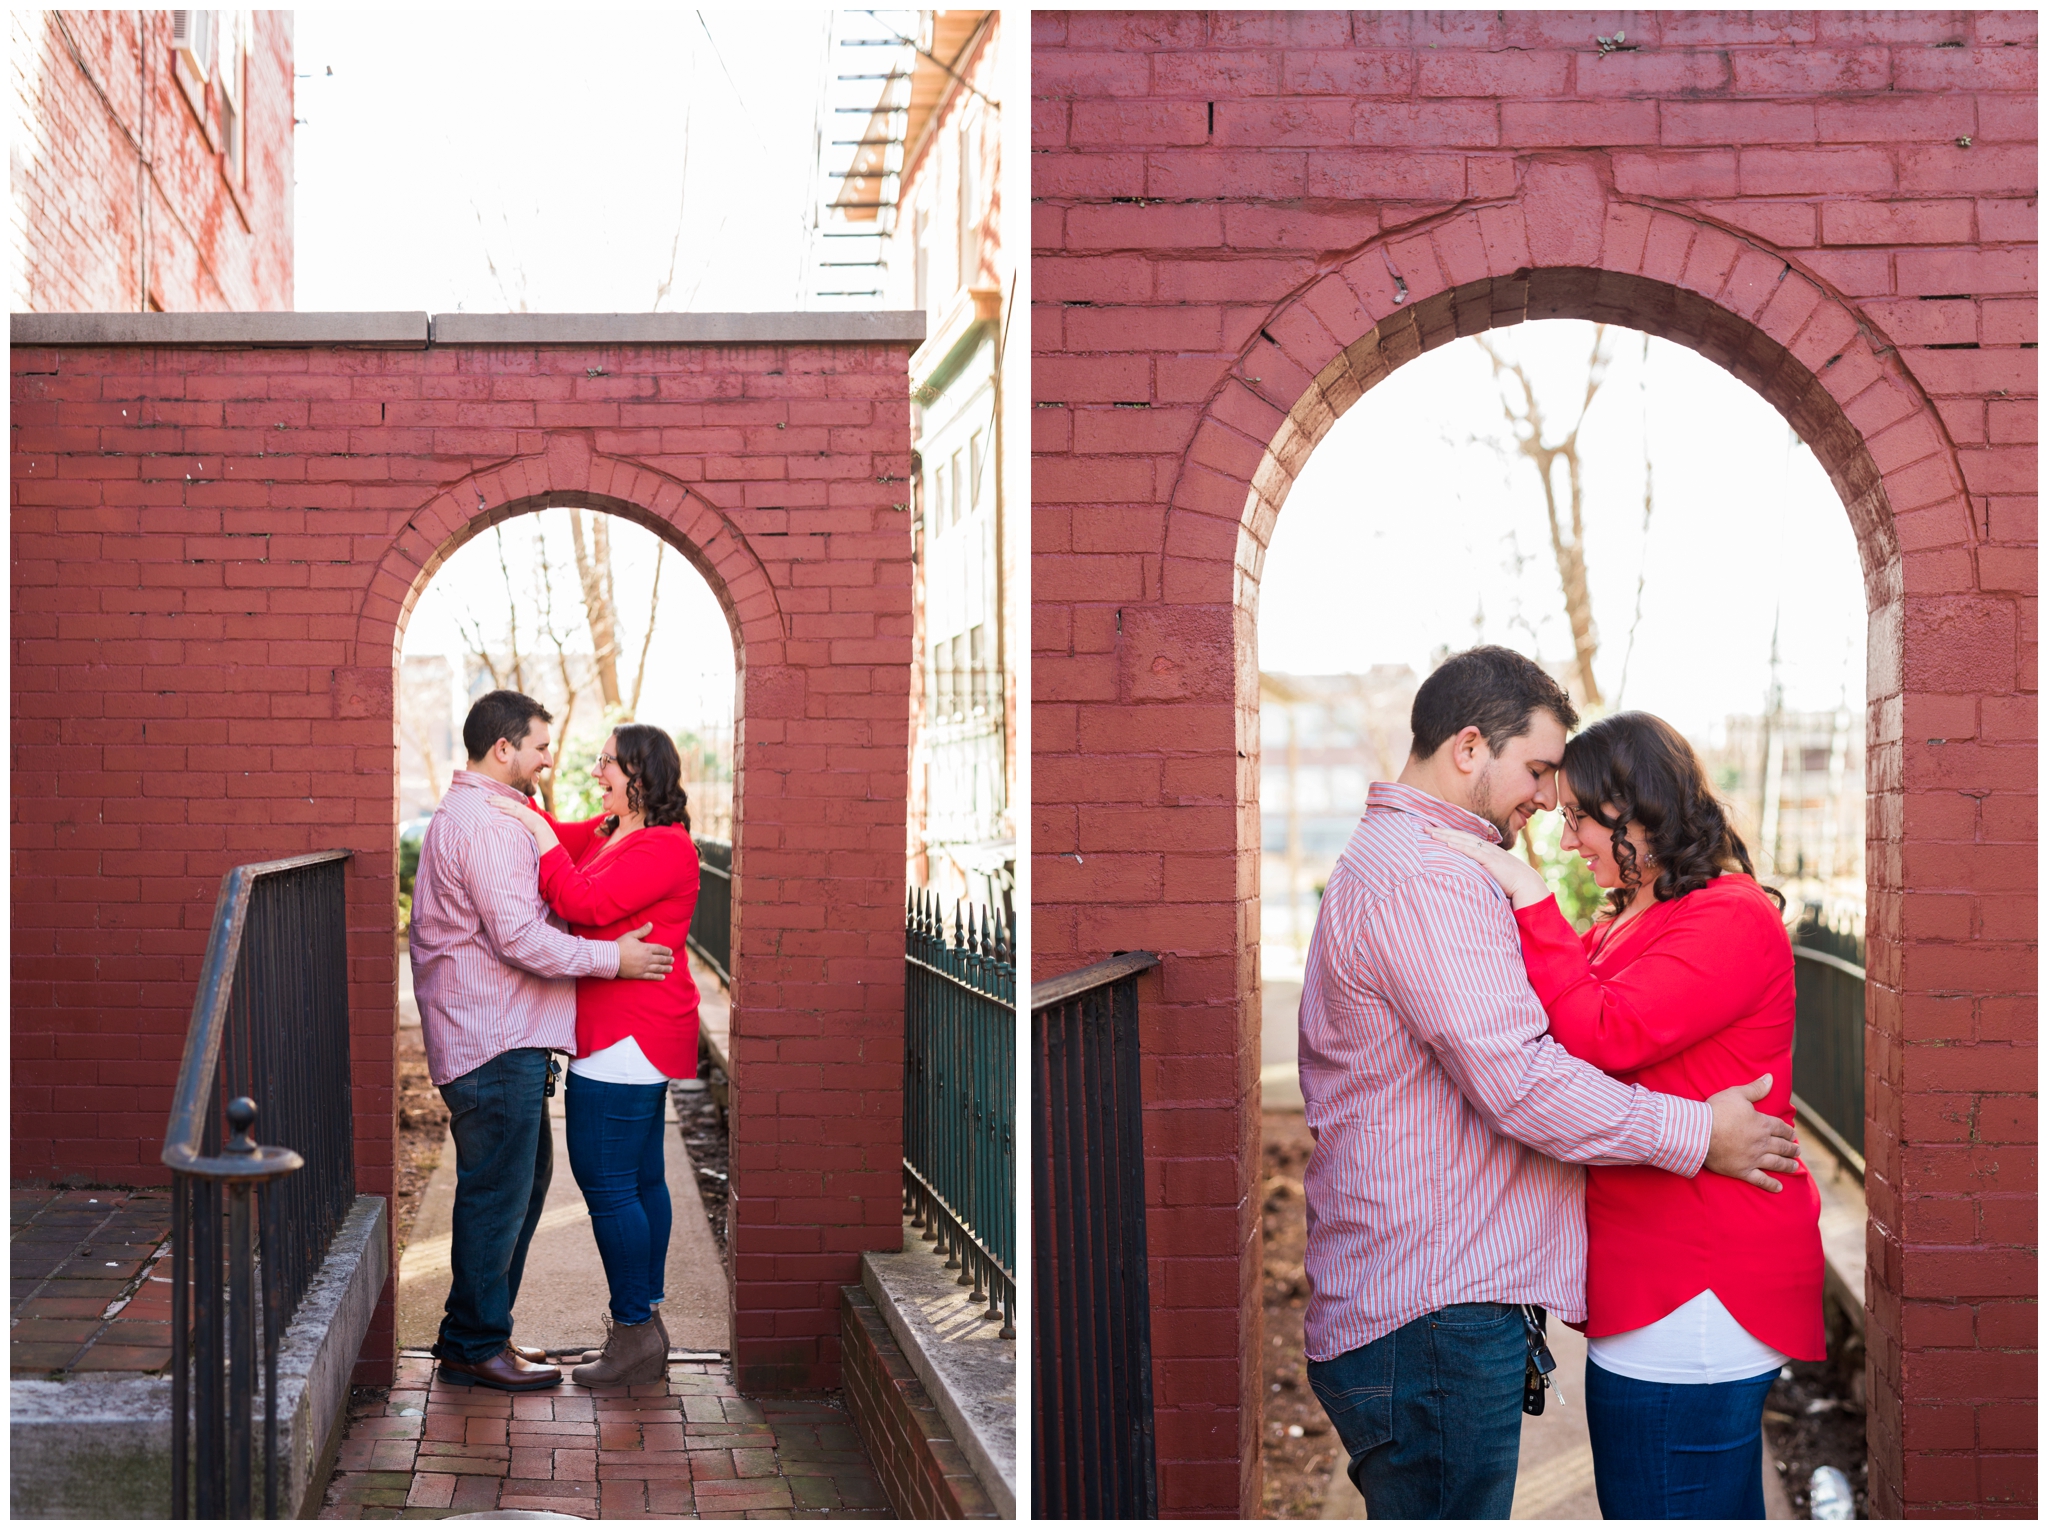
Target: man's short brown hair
500	714
1491	688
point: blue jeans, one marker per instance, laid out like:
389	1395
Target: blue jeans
1432	1413
1664	1451
504	1158
615	1152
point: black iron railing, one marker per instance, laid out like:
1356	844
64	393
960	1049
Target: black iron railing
1827	1040
1092	1454
960	1097
711	925
269	1033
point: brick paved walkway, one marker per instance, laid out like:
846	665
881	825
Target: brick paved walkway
688	1448
90	1281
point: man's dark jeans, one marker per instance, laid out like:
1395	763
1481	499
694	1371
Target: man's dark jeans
504	1158
1432	1413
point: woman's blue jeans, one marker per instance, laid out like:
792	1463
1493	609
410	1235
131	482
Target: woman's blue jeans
1665	1451
616	1154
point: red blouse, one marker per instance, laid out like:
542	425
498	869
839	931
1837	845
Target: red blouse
1692	997
605	892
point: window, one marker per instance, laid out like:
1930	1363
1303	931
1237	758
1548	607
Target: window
970	245
924	258
233	81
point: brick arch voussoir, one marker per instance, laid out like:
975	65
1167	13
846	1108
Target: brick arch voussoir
686	520
1564	247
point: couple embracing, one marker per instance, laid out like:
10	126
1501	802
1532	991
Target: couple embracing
531	937
1464	1052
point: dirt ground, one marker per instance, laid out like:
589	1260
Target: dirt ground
1815	1417
704	1134
1297	1444
422	1126
1812	1418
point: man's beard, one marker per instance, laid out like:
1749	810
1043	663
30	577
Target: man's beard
1483	804
526	786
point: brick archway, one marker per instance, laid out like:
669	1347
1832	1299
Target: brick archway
220	526
1223	268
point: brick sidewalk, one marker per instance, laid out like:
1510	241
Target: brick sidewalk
90	1280
688	1448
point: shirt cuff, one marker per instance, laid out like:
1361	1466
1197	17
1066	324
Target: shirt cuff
1684	1130
605	955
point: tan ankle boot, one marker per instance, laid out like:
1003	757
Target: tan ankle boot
635	1354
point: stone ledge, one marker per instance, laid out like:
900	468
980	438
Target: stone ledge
416	331
102	1449
952	1345
375	331
879	327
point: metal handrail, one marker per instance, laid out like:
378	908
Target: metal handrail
710	933
1093	1447
202	1165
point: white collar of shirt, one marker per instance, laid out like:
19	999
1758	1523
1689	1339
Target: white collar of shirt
1392	795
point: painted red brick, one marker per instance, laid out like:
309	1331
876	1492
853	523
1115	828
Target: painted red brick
1785	192
94	96
213	655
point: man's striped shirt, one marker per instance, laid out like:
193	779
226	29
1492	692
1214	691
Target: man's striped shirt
1441	1109
492	967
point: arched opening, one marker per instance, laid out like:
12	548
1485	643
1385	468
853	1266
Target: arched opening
1699	568
604	614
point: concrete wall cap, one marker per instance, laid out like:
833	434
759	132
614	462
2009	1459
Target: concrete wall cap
415	331
880	327
382	331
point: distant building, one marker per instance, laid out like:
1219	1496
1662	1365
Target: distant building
1794	781
151	161
913	220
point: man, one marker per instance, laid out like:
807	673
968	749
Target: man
494	974
1445	1192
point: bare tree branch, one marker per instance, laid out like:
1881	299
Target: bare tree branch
594	570
647	639
1526	424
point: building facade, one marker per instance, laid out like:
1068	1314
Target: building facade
914	220
151	161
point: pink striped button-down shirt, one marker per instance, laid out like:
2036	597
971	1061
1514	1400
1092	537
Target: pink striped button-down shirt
492	967
1441	1109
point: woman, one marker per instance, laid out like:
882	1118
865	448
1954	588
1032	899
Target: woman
634	865
1699	1290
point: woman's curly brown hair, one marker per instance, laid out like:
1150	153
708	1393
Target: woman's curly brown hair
654	777
1642	769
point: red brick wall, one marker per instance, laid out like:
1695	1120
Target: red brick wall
1244	220
90	104
214	554
924	1473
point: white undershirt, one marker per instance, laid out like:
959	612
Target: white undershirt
1694	1345
620	1063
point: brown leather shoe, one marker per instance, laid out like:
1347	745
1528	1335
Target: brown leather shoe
506	1371
529	1354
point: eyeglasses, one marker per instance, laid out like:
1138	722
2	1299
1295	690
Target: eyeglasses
1571	816
597	765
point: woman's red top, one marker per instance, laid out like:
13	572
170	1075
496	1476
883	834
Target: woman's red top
1690	998
605	892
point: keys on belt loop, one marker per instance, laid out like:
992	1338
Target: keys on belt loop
1541	1363
554	1072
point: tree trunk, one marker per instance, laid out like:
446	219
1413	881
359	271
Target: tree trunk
594	570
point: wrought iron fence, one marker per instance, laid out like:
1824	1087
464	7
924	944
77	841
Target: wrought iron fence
960	1096
269	1034
711	925
1827	1040
1092	1449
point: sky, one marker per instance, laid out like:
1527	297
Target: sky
561	161
1405	531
